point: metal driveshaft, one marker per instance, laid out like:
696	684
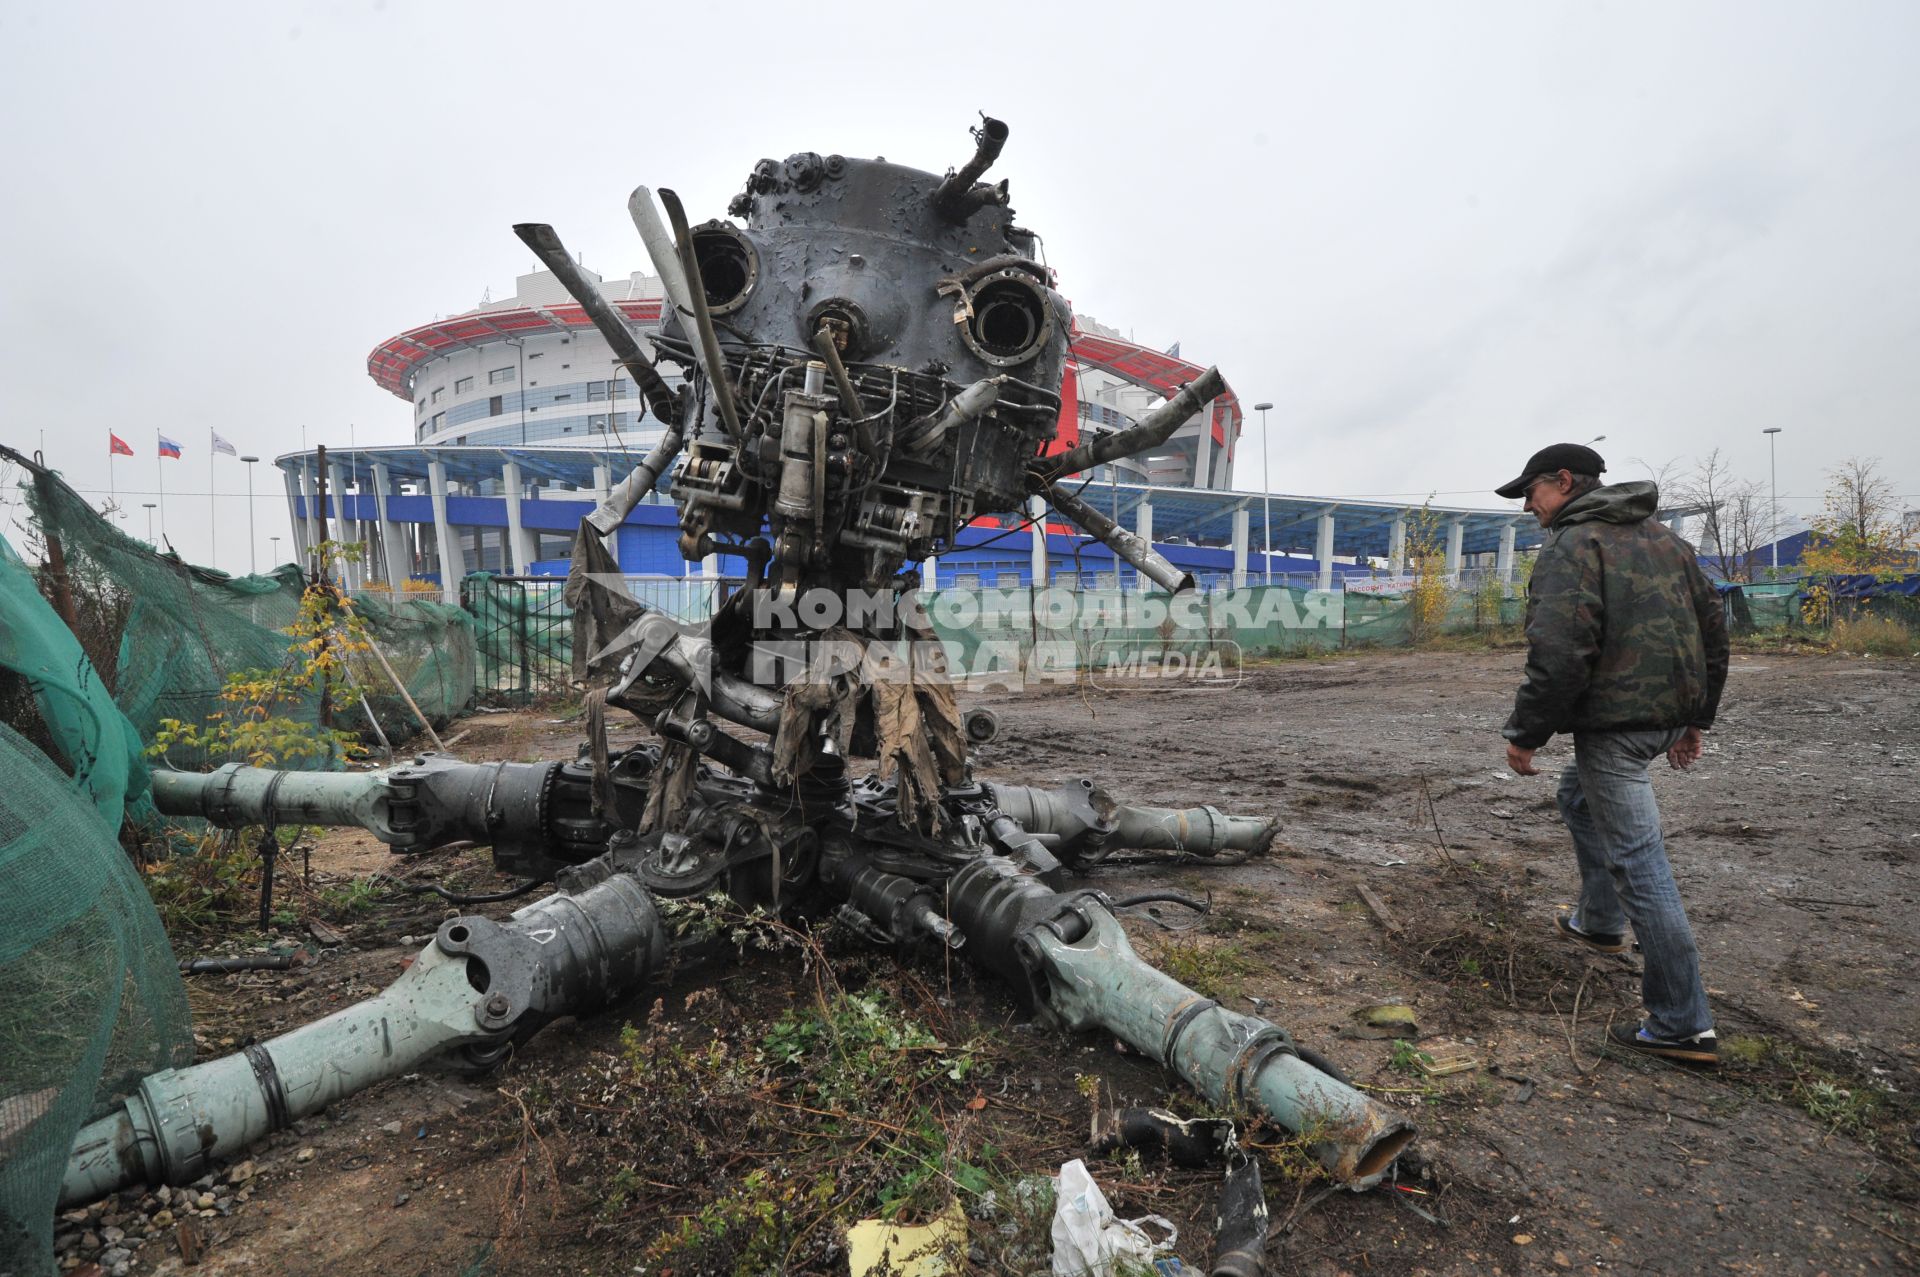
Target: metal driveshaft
1072	959
480	985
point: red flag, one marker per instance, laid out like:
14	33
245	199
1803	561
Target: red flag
115	444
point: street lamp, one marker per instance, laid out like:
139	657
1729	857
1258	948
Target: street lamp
1773	487
1266	486
276	550
1598	439
149	505
253	563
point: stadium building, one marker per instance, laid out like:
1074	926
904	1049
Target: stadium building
521	420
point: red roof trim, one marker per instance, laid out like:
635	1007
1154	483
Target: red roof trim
1157	371
392	362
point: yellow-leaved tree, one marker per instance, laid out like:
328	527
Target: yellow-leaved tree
1431	594
255	723
1860	530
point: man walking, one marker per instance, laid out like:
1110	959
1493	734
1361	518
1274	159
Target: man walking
1627	652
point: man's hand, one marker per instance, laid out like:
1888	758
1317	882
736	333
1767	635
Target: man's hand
1684	751
1521	760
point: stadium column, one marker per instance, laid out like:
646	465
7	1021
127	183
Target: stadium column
519	555
1456	536
1203	455
345	531
393	545
1323	548
1037	540
311	490
1503	561
1397	544
452	567
1242	534
295	515
1143	528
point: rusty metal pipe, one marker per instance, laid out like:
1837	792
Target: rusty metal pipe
1150	431
954	200
1135	549
849	398
546	246
924	434
612	512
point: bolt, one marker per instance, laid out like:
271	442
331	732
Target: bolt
497	1005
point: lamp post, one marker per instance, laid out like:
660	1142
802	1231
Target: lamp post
1773	492
253	562
1266	489
1598	439
149	505
276	550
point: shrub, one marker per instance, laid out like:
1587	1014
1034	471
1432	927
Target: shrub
1874	636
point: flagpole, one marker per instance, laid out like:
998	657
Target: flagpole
213	536
112	498
160	484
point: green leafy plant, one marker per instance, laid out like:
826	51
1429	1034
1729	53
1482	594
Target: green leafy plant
1213	968
350	899
254	723
1431	594
1407	1058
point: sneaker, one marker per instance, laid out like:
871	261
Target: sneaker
1602	941
1703	1048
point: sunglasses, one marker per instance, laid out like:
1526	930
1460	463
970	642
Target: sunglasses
1526	493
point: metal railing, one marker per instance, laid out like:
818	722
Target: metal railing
523	628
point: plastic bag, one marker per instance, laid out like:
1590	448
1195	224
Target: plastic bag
1087	1240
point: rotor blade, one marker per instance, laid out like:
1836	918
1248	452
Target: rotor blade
546	245
660	249
709	341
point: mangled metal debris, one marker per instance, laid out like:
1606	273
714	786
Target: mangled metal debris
868	363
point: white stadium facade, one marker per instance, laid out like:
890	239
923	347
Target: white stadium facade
519	418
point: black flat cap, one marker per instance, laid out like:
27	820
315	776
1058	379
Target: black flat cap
1574	457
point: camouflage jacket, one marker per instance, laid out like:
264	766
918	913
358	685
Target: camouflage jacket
1623	630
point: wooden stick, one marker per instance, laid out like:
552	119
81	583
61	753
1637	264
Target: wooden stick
1378	907
367	705
401	688
1883	1232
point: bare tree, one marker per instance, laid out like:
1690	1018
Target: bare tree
1734	515
1664	476
1746	523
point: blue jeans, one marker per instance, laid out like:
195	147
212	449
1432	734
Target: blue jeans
1607	801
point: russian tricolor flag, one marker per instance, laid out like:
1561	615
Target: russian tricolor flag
168	448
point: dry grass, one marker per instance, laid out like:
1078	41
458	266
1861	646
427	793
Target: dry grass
1874	636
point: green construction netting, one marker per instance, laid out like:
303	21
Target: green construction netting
1765	607
989	633
1387	620
523	634
90	996
165	634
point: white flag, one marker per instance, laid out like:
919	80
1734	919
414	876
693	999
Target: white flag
221	445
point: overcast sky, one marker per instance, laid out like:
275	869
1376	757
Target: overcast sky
1436	236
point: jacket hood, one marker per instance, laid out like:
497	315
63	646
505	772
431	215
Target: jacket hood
1615	503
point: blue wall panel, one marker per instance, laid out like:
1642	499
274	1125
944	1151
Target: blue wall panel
649	542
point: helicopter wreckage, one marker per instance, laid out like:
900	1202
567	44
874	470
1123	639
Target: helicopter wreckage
871	357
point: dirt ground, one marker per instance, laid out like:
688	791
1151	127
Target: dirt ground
1796	841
